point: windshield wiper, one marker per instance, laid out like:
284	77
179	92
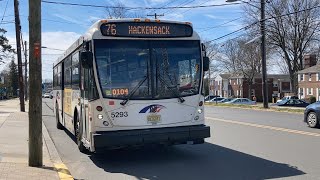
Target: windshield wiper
176	92
124	102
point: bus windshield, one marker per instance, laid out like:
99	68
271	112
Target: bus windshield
148	69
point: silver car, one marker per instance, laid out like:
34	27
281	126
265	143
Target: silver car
242	101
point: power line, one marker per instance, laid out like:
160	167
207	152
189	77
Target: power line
233	32
273	17
170	2
5	10
181	5
138	8
220	25
191	9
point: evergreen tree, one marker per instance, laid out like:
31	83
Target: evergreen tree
5	48
13	78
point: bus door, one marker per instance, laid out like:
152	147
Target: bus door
85	101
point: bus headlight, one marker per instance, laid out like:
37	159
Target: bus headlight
199	111
100	116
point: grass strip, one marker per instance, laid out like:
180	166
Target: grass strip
258	107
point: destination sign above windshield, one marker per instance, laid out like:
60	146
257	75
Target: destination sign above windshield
145	29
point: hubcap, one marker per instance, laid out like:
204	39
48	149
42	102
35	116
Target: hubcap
312	119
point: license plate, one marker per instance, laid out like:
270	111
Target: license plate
154	118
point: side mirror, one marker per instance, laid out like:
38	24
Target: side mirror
86	59
206	63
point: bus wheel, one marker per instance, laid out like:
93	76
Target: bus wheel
78	134
58	124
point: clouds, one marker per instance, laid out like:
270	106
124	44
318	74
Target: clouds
56	40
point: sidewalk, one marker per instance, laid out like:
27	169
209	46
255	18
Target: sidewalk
14	146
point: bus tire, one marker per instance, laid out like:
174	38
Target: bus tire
58	124
78	134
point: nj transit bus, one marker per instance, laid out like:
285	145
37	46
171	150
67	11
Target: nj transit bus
132	82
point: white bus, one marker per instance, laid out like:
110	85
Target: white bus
132	82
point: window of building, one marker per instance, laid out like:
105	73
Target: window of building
310	91
253	92
229	81
237	92
301	77
318	76
237	81
310	75
301	91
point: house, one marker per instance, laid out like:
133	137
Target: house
308	78
220	85
309	82
227	85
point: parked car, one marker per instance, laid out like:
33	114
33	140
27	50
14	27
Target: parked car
287	97
312	115
216	99
46	95
293	103
241	101
225	100
208	98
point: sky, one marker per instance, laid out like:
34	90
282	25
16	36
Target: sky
62	24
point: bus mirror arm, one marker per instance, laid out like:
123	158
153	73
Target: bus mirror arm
206	63
86	58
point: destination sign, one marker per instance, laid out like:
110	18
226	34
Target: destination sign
145	29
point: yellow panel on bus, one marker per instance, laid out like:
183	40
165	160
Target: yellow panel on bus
67	101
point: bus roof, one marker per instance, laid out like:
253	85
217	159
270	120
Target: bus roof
95	33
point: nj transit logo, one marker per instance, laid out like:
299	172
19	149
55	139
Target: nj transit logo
154	108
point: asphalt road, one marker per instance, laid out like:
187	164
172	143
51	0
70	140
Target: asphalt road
244	144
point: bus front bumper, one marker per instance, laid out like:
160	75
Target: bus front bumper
170	135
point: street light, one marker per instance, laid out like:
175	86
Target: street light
263	50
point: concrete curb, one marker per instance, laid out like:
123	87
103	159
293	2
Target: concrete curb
53	152
61	168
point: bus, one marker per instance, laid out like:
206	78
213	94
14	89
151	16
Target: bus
132	82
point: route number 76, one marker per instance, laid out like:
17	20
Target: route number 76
111	29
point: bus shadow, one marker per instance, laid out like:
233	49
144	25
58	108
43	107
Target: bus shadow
206	161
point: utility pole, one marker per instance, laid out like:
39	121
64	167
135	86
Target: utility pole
35	81
25	71
18	32
155	15
263	54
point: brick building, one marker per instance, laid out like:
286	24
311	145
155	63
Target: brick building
309	78
309	82
227	85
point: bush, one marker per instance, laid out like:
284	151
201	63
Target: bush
312	99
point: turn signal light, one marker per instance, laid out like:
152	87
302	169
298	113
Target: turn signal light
99	108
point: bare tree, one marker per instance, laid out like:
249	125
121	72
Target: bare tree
242	59
292	30
119	11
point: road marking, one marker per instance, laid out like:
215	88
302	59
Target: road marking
63	171
266	127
